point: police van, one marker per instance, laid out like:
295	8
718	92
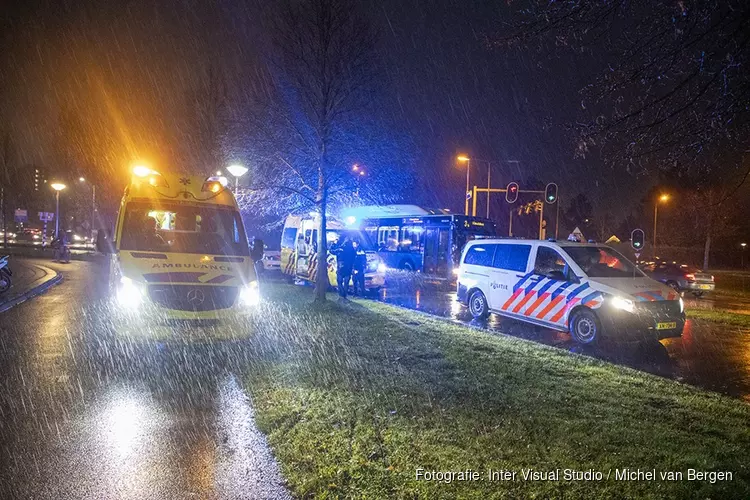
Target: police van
299	251
179	249
589	290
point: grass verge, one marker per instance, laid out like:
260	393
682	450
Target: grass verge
355	398
724	317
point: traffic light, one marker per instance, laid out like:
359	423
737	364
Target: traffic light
550	193
511	193
637	239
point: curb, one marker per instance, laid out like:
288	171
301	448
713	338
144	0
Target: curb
32	292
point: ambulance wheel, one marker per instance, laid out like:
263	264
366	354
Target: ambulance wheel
406	266
478	305
585	327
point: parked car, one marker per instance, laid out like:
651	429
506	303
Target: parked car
682	278
272	261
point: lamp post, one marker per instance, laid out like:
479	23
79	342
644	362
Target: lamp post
662	198
359	172
237	171
93	205
742	258
464	158
57	186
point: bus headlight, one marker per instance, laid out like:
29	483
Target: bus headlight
128	293
249	294
623	304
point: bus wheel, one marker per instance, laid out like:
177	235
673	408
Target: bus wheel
585	327
478	305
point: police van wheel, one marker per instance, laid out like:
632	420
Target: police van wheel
478	305
585	327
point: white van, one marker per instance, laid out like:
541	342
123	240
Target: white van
589	290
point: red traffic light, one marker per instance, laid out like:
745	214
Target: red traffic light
511	193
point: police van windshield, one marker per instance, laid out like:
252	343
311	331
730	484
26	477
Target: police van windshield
602	262
173	227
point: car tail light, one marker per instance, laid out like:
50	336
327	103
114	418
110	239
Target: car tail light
712	277
690	277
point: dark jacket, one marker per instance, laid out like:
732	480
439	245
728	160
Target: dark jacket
360	260
345	255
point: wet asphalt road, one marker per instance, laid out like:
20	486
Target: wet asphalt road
707	355
84	414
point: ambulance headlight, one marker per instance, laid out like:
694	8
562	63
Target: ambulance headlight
622	304
249	294
128	294
382	267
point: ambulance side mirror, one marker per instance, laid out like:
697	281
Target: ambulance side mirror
104	242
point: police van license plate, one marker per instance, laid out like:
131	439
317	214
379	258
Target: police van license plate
666	326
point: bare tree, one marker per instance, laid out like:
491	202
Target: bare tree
310	110
673	86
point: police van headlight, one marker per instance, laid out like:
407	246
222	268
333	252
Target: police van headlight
250	294
682	305
622	304
129	295
382	267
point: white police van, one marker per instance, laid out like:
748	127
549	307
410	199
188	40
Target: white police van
589	290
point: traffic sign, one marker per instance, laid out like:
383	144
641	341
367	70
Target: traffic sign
21	215
46	216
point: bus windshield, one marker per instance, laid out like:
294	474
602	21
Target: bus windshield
158	226
603	262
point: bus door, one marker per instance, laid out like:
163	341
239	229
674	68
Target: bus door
436	250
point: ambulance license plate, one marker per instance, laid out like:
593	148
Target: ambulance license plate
666	326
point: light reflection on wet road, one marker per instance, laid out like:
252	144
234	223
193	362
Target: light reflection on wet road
85	415
711	356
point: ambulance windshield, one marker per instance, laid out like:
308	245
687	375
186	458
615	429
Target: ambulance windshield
182	228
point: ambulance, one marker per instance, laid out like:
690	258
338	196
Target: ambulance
588	290
299	252
179	249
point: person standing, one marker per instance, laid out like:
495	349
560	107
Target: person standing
360	264
256	254
345	254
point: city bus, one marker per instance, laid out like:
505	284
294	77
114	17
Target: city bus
179	249
299	252
411	238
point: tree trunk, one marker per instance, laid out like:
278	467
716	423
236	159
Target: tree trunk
709	230
321	281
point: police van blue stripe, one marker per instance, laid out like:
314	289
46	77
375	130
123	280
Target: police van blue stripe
591	296
520	282
546	287
578	290
560	289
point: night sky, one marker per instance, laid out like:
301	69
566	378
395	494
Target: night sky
129	67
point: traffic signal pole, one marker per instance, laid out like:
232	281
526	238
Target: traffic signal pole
489	190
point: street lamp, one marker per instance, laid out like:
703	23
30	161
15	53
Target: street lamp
57	186
359	172
662	198
237	171
742	262
464	158
93	205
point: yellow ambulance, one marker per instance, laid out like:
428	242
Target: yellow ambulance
179	249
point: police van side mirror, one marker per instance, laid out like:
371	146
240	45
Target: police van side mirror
556	275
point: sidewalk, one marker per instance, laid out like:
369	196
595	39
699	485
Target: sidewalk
29	280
